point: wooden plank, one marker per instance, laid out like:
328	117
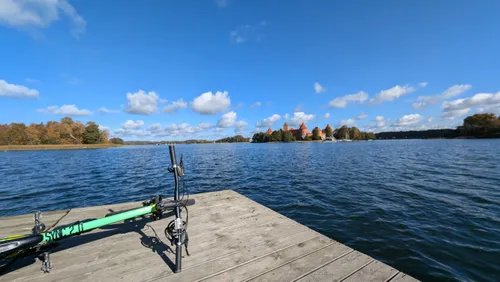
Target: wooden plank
22	224
293	269
232	238
402	277
271	260
375	271
336	269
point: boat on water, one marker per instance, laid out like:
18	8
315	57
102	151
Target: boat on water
346	138
330	139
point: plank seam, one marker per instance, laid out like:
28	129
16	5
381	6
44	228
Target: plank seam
254	259
295	259
392	276
238	251
323	265
356	270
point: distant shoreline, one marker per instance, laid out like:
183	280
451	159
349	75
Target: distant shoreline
57	147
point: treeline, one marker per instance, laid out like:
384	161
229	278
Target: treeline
276	136
343	132
234	139
192	141
352	133
475	126
66	131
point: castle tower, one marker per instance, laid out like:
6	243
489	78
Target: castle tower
285	127
303	130
269	131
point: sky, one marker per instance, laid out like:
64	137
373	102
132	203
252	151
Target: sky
175	70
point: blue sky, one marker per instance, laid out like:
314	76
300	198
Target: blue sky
206	69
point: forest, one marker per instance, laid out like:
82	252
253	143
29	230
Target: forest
475	126
63	132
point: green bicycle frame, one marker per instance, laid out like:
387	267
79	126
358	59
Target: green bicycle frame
80	227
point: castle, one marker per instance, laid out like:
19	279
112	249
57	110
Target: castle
302	132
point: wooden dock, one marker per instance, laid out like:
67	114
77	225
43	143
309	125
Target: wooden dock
231	238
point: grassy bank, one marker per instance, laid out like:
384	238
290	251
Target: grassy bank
56	147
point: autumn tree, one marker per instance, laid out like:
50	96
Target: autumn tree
354	133
4	131
17	134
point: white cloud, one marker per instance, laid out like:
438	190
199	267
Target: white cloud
455	90
239	126
407	120
130	132
341	102
209	104
237	107
255	105
268	122
347	122
455	113
227	120
142	103
299	117
16	91
380	121
40	14
205	126
175	106
155	127
66	110
430	119
104	128
247	33
130	124
104	110
362	116
423	84
480	99
286	116
318	88
298	108
392	93
326	115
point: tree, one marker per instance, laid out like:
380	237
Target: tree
307	138
17	134
276	136
354	133
4	140
316	134
116	141
287	136
328	131
342	132
92	134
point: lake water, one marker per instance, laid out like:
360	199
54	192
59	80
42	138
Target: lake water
429	208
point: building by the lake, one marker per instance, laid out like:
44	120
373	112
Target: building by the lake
303	132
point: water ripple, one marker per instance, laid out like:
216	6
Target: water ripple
428	208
